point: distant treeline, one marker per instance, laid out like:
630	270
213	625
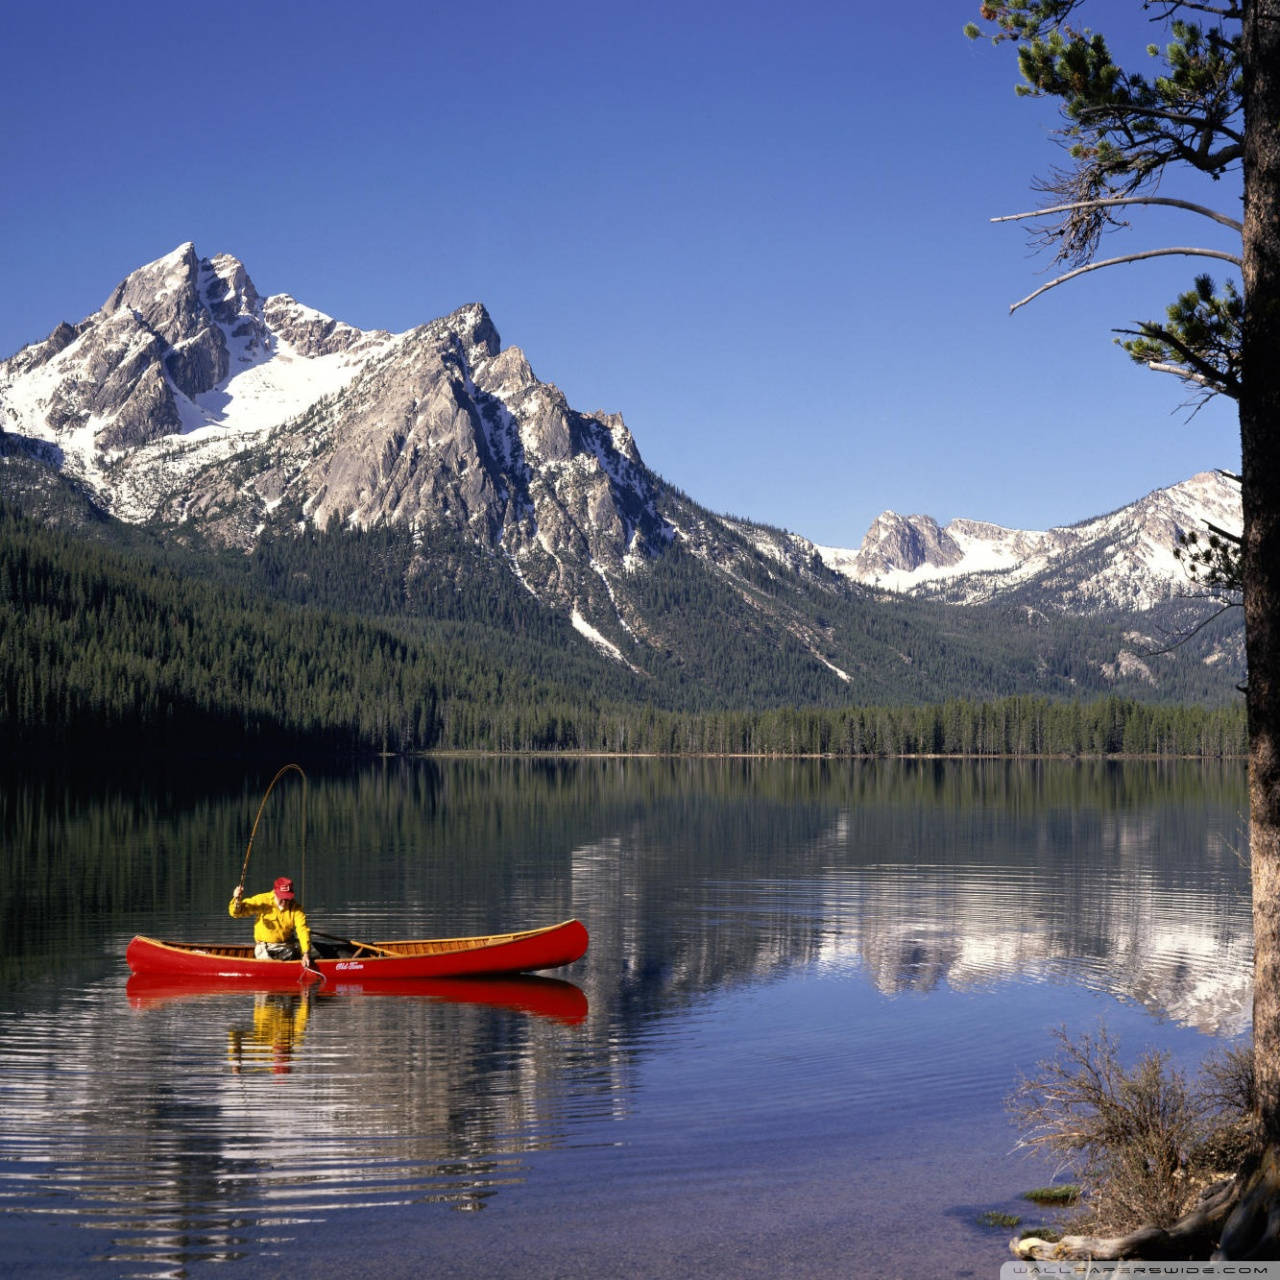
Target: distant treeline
1019	726
107	650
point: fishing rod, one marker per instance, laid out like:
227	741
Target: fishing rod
249	848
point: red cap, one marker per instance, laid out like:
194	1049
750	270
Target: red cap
283	887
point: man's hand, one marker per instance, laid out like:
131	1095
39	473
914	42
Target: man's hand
237	893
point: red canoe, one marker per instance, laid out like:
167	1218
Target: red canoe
523	952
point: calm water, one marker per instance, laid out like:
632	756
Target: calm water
810	988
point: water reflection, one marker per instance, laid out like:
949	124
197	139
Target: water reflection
154	1112
525	993
279	1023
937	876
1183	954
212	1121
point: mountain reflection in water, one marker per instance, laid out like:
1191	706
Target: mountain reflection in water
195	1124
1034	878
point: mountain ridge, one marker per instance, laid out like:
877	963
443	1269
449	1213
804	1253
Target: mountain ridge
191	405
968	561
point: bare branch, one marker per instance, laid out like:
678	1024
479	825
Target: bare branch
1170	7
1222	533
1119	200
1189	375
1186	252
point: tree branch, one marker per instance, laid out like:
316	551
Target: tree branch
1238	539
1203	371
1170	7
1119	200
1188	375
1184	636
1201	126
1186	252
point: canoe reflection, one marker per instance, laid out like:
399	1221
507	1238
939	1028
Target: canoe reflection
542	997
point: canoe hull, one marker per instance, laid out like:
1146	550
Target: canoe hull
525	952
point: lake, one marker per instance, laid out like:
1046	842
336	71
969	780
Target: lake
810	988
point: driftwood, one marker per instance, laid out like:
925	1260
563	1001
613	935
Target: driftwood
1236	1219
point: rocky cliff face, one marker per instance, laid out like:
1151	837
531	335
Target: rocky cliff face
904	543
451	426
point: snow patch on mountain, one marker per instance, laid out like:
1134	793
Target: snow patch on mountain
584	628
841	675
270	391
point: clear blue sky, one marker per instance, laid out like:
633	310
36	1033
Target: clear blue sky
760	231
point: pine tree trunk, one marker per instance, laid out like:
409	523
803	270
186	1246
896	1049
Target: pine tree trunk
1260	471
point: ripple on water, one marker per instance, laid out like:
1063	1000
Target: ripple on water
268	1110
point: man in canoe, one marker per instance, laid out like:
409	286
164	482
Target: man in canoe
280	931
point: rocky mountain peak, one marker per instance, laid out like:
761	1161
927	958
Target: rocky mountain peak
477	332
31	357
504	372
227	290
164	294
619	435
311	333
905	543
205	311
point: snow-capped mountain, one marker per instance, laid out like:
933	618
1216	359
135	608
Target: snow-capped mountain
187	395
1121	561
182	346
188	401
189	398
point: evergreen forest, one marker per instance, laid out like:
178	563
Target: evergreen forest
127	644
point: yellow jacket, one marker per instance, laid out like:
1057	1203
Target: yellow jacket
273	923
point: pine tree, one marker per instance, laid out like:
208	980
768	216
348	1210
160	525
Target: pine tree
1214	110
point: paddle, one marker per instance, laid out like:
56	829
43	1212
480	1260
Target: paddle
351	942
